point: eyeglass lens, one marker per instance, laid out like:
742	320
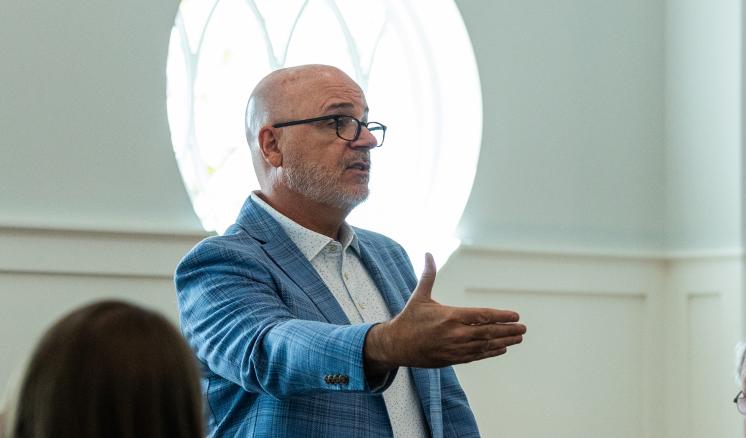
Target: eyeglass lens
350	129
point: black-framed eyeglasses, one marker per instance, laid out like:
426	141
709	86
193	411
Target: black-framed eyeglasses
740	402
347	127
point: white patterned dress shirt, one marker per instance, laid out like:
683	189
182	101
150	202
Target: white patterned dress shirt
339	266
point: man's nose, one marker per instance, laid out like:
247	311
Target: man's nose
366	140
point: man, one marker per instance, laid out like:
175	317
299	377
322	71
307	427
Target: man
305	326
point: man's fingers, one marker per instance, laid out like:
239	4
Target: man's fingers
429	272
477	316
427	279
484	355
481	346
491	353
493	331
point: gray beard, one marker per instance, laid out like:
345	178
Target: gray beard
310	181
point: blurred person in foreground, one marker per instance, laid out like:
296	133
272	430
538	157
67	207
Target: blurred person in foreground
306	326
109	369
740	399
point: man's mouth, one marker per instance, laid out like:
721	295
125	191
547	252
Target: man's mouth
360	165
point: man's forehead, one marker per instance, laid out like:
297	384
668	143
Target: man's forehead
336	90
335	105
312	76
311	89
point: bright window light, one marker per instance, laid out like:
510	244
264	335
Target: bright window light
415	63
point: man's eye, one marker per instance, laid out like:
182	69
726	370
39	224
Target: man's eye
344	122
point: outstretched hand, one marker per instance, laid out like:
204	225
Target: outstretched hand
426	334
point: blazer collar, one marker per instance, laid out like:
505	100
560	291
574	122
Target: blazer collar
373	263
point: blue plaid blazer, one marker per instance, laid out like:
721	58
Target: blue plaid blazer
279	356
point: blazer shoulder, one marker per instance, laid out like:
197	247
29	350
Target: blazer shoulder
387	251
230	248
377	240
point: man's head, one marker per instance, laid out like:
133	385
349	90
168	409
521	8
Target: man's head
309	159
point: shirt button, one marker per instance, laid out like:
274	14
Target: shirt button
347	276
331	248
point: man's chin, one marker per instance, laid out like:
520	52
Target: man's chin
340	196
349	201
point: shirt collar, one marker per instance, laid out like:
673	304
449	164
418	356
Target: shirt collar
309	242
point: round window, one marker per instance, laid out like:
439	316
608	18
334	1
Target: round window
414	62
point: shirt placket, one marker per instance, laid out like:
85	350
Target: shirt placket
354	289
335	257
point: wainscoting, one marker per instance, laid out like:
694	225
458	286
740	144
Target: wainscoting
44	273
618	345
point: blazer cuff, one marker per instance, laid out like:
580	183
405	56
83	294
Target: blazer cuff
380	384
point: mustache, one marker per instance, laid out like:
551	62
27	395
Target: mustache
363	157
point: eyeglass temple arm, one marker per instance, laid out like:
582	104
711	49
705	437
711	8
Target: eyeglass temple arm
301	122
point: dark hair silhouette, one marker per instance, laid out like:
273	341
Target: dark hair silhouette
114	370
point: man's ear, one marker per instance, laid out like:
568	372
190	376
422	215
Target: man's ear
269	147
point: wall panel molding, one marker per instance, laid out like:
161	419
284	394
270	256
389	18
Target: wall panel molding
603	253
555	293
47	251
147	253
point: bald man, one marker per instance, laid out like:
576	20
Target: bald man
306	326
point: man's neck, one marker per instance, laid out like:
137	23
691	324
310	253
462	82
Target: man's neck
315	216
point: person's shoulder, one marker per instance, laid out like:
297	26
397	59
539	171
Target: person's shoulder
372	237
379	242
387	252
235	244
235	238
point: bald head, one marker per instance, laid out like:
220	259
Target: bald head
279	94
288	94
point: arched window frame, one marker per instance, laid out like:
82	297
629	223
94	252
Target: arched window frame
445	131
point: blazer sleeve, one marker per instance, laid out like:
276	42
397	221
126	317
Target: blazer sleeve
238	325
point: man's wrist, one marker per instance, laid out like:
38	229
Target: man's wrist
375	353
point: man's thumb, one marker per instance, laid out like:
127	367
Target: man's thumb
427	279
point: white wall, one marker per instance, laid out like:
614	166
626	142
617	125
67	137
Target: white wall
606	208
573	124
85	140
703	124
704	206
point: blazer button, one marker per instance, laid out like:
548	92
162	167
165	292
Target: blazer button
328	379
345	380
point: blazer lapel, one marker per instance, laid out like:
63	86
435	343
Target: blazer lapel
426	381
288	258
394	300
